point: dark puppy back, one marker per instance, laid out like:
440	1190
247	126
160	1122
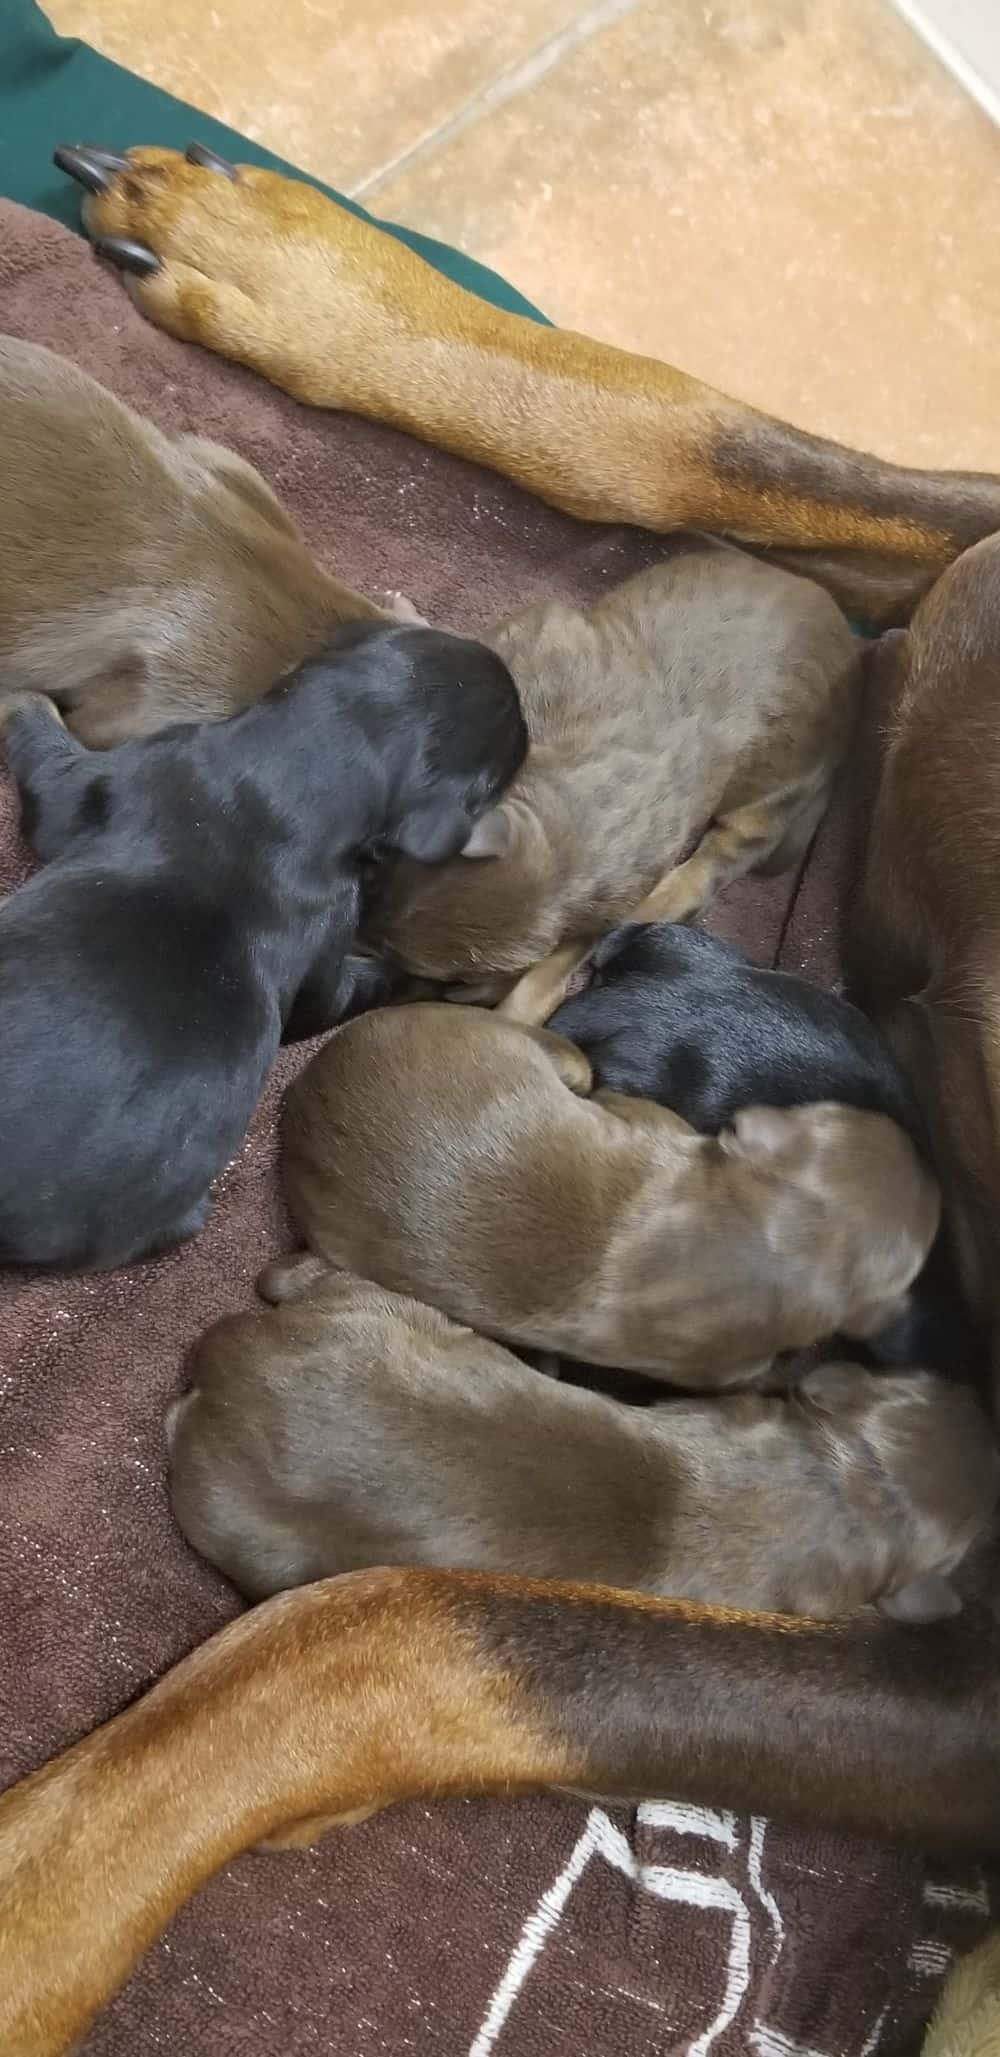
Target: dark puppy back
679	1017
199	894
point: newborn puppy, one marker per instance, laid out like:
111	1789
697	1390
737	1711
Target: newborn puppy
677	1016
710	698
144	578
200	892
680	1017
354	1427
446	1153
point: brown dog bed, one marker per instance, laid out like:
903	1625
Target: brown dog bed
474	1929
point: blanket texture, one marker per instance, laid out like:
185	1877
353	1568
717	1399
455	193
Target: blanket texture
474	1929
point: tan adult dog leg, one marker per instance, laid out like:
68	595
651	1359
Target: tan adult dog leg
268	271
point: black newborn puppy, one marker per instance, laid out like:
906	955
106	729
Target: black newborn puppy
200	893
677	1016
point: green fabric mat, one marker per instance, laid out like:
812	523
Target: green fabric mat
55	89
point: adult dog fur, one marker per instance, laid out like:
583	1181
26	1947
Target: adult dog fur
268	270
925	943
710	698
352	1427
447	1153
199	895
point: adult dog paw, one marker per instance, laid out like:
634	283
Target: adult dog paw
256	266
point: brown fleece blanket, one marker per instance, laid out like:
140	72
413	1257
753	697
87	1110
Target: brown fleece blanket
460	1930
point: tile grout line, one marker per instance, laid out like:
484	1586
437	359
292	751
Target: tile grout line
514	79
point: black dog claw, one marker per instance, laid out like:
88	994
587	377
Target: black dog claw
91	168
110	160
128	256
199	153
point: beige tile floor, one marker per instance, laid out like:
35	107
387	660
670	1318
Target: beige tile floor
789	197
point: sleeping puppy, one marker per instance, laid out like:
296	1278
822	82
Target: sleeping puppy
447	1153
354	1427
144	578
708	701
678	1016
200	892
682	1018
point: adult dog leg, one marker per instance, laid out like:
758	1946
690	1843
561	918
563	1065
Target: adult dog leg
340	1698
268	271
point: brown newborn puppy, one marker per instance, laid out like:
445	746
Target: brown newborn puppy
712	697
144	578
354	1427
447	1153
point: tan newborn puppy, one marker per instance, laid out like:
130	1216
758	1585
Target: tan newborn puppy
711	698
446	1153
354	1427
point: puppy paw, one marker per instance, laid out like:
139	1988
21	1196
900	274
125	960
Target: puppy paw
404	610
289	1277
15	703
256	266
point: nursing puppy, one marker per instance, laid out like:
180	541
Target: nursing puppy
447	1153
144	578
709	700
680	1017
353	1427
199	896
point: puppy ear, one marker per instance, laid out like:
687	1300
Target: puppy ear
432	833
617	940
492	836
833	1387
929	1598
759	1132
883	662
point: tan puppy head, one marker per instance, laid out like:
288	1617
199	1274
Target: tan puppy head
915	1457
864	1172
495	908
